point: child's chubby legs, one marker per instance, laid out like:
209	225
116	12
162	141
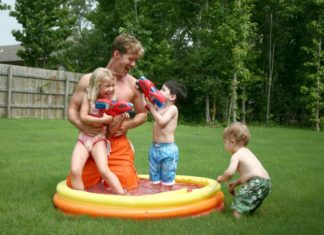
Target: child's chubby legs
99	154
79	157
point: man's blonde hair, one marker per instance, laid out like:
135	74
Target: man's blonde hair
239	132
126	43
97	77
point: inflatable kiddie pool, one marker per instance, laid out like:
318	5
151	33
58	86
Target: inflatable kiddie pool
193	196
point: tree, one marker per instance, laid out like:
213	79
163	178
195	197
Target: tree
85	48
46	25
225	52
4	6
280	29
313	87
240	43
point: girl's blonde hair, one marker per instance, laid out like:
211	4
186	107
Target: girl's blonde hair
97	77
239	132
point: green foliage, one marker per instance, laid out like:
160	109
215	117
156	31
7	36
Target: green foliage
46	26
4	6
313	87
201	44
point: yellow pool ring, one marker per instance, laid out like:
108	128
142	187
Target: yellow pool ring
162	205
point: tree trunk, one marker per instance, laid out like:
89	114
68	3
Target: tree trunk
207	110
271	60
135	9
213	111
243	105
229	113
234	97
317	117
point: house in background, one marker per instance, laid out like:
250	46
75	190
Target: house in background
8	55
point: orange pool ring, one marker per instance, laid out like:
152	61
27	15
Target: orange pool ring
179	203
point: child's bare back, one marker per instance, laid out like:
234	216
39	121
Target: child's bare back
248	165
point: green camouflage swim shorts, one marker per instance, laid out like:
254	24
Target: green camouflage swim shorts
251	195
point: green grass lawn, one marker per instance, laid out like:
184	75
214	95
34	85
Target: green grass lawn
35	156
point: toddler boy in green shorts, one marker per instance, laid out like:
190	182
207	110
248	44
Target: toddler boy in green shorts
254	179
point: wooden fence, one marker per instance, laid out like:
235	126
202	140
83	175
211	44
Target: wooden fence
35	93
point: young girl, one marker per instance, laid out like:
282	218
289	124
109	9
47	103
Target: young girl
102	85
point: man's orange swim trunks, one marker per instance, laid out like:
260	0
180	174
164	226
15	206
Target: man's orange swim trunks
120	161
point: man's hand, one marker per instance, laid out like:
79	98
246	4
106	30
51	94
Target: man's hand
123	129
119	125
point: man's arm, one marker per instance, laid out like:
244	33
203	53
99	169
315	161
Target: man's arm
75	106
141	113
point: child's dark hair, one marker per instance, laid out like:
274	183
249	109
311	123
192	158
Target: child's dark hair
177	89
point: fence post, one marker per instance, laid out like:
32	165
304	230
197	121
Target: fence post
8	105
66	95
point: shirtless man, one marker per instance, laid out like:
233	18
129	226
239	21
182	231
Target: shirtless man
254	179
126	50
164	153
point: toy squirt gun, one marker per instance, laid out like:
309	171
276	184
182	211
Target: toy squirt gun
150	92
114	107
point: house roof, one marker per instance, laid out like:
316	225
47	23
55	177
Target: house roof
9	53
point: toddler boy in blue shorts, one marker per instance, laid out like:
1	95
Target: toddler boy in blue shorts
164	153
254	179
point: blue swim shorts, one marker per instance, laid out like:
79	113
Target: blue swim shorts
163	159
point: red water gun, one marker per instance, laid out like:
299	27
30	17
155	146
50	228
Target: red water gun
150	92
114	107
